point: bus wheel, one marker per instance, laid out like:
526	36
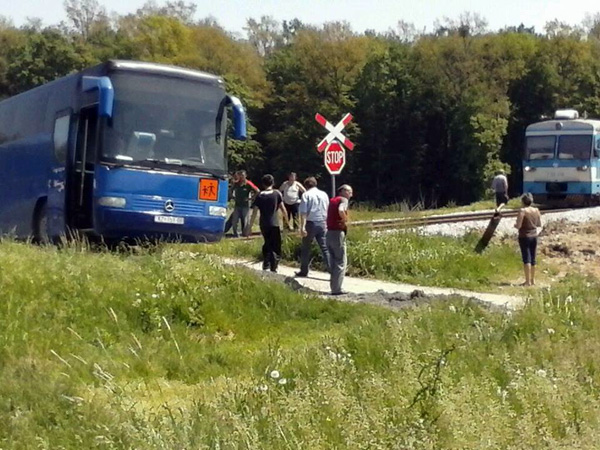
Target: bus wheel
40	230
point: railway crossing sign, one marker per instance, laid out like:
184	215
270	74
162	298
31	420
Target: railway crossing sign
335	158
334	132
333	146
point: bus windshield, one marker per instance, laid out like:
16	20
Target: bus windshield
166	121
540	147
575	147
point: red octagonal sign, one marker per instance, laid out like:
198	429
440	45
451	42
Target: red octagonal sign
335	158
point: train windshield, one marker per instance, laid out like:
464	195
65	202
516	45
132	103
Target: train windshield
171	122
575	147
540	147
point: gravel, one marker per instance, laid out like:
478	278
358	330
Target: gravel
506	226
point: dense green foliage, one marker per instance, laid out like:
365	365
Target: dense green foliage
165	348
435	114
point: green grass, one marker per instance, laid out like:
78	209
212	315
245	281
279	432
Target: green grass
166	349
406	257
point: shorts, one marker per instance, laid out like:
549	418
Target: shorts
528	247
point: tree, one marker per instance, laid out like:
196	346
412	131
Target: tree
83	14
265	36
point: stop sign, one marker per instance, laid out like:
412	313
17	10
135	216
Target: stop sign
335	158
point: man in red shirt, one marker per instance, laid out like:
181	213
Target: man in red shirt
337	228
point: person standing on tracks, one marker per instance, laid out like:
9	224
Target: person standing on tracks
529	223
269	202
500	187
292	190
337	228
313	223
243	191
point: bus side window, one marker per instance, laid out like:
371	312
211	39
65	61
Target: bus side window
597	147
61	137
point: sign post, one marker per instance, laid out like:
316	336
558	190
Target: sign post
333	146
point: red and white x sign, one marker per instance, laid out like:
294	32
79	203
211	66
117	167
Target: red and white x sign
334	132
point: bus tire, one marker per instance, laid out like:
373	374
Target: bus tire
40	225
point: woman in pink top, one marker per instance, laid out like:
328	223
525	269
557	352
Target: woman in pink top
528	223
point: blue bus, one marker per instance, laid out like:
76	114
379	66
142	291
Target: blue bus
562	160
122	150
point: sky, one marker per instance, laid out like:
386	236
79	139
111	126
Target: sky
379	15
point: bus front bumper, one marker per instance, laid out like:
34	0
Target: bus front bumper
115	223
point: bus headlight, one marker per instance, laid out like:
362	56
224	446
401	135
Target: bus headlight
527	169
217	211
112	202
583	168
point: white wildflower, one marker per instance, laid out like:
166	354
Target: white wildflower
283	381
551	331
569	299
263	388
452	308
154	295
541	373
275	374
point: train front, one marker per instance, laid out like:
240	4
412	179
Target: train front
560	165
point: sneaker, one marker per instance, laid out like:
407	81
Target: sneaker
300	275
274	270
340	293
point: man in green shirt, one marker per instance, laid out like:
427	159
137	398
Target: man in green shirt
243	192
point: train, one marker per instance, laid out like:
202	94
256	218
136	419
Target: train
561	161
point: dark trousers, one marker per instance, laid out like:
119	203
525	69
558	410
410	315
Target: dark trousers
292	212
501	197
528	248
271	249
316	231
240	213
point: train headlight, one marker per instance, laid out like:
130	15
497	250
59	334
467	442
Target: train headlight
112	202
583	168
527	169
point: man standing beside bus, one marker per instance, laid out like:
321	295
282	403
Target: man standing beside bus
337	228
269	202
313	223
243	192
500	187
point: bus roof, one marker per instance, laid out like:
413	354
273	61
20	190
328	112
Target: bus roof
581	125
162	69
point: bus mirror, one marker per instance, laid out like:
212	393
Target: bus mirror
239	118
106	93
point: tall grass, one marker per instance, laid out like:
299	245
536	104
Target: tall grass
167	349
406	257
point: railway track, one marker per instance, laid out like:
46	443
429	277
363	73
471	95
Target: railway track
414	222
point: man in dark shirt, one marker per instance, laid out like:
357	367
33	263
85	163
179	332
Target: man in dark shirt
242	191
268	202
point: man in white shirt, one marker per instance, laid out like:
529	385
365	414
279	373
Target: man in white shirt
500	187
313	223
292	190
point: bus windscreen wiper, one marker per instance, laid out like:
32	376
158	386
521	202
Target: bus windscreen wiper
181	163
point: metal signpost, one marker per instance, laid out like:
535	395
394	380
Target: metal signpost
333	146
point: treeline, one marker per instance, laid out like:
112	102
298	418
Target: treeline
435	113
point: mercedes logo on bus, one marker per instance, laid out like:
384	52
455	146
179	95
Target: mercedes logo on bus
169	206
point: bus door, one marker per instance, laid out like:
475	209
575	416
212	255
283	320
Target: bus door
56	206
82	176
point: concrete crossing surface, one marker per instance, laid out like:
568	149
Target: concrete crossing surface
318	282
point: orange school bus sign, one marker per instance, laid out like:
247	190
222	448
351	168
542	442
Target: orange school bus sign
208	190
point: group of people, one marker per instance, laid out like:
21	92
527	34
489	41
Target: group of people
303	207
528	224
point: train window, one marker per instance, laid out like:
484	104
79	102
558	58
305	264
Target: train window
540	147
575	147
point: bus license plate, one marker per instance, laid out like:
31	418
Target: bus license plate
169	219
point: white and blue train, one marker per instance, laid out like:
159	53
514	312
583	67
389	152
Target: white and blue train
562	159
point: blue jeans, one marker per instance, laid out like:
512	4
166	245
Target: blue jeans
239	213
317	231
